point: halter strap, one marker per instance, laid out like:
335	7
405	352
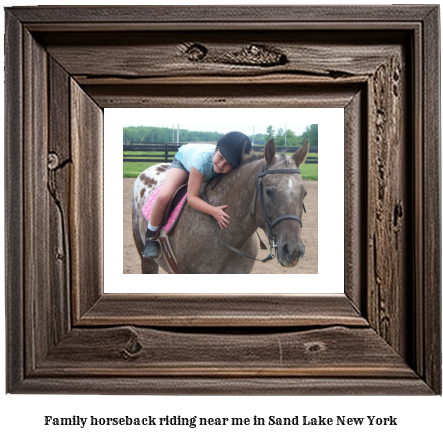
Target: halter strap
269	225
287	216
259	192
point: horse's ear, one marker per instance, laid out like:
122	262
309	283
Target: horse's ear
270	151
247	149
300	155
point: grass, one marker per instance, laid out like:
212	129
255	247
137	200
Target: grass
133	170
309	171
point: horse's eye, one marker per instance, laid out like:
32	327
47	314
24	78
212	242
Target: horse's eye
268	191
306	193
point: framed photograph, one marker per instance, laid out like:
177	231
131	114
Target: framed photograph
378	334
324	255
148	149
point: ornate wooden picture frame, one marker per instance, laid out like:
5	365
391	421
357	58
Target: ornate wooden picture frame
64	65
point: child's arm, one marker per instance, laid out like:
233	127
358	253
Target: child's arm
194	186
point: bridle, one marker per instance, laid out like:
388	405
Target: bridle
269	225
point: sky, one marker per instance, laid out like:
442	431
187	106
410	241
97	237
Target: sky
247	120
246	128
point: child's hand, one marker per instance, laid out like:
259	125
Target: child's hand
220	216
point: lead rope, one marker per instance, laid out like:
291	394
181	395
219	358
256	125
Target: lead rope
269	257
269	225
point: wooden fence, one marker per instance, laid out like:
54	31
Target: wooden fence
142	152
312	149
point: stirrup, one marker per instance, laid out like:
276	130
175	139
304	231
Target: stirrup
151	249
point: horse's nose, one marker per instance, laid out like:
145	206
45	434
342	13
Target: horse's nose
291	253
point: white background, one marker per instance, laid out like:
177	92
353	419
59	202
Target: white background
25	413
330	200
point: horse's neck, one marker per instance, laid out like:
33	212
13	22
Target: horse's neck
238	190
248	175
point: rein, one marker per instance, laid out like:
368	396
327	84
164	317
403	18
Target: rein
269	224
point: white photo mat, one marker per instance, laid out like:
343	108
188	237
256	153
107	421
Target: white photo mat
330	198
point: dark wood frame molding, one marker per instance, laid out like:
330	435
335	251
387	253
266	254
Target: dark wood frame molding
379	63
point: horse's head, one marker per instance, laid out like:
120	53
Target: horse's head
282	196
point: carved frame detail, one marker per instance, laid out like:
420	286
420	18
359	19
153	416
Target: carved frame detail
64	65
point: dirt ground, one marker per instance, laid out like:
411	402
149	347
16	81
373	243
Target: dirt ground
307	265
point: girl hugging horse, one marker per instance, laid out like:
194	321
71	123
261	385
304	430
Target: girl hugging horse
196	163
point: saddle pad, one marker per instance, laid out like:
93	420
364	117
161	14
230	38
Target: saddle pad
173	217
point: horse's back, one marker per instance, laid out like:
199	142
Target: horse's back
144	185
147	182
196	246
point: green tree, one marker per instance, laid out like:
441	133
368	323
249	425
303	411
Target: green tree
150	134
291	138
311	132
259	139
269	132
280	137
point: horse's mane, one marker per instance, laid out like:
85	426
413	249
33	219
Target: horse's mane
253	156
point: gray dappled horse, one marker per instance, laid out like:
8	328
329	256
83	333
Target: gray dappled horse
195	241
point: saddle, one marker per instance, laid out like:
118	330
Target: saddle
171	217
